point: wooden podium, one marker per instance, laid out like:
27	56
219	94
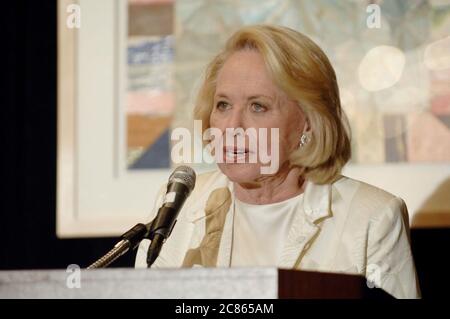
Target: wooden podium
196	283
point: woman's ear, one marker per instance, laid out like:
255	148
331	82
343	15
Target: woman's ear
305	137
307	127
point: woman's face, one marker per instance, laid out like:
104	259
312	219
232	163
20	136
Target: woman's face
246	98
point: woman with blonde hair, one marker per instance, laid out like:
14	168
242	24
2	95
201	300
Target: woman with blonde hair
304	215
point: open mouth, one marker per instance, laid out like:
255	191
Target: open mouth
231	152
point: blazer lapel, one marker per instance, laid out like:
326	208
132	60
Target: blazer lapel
306	225
226	242
216	213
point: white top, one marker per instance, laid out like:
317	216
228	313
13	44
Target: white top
260	231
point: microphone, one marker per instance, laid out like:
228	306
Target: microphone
180	185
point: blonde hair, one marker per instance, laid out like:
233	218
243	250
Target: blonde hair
302	70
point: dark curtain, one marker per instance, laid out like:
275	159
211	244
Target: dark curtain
28	149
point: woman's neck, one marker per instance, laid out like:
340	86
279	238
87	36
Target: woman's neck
286	184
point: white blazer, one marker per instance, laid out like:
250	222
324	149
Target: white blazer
347	226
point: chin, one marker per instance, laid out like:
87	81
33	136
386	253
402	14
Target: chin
240	173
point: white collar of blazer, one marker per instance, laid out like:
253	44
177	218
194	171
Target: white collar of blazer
306	224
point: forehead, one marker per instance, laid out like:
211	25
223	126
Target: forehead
245	72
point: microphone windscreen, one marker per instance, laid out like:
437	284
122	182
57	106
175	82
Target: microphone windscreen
185	175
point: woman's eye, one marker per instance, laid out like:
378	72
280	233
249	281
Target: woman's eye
256	107
222	105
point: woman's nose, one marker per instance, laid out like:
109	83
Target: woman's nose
235	118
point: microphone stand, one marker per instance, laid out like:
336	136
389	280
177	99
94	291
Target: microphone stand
130	239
